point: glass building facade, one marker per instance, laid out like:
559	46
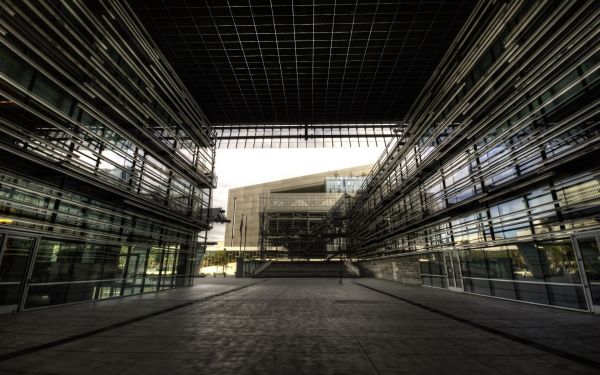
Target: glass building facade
343	184
106	161
494	188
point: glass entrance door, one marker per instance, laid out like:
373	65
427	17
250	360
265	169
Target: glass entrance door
588	257
453	272
15	257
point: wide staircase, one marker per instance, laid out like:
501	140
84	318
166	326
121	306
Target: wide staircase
308	269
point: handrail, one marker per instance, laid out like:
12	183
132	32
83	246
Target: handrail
523	281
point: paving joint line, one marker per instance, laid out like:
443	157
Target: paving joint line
65	340
509	336
360	345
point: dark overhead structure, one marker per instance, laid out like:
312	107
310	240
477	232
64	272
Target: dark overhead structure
304	73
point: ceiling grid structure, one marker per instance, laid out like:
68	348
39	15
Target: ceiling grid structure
269	71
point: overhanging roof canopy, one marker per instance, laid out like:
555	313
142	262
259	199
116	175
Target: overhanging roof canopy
303	62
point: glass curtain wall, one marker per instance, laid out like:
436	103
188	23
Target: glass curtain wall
89	249
105	159
501	161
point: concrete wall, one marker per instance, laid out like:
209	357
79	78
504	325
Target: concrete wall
402	269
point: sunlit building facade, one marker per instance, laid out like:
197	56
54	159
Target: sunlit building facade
106	161
244	205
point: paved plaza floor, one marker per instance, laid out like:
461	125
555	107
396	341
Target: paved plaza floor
300	326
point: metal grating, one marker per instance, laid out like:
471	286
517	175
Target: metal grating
303	62
306	136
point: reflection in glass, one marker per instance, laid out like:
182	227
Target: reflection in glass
590	254
13	268
522	271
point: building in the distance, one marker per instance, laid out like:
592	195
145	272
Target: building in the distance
243	205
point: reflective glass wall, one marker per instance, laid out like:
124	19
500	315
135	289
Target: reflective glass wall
500	158
540	272
544	272
106	161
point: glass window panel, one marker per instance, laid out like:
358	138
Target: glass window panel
531	292
499	263
480	287
13	268
584	192
91	123
468	285
81	292
14	67
558	261
503	289
567	296
13	264
110	289
86	266
499	177
473	263
437	263
426	280
511	219
522	258
590	254
153	268
46	295
136	270
114	164
439	282
53	261
425	265
52	94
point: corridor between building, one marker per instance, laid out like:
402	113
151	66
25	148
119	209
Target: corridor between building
300	326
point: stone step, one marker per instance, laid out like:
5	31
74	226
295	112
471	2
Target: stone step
306	269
